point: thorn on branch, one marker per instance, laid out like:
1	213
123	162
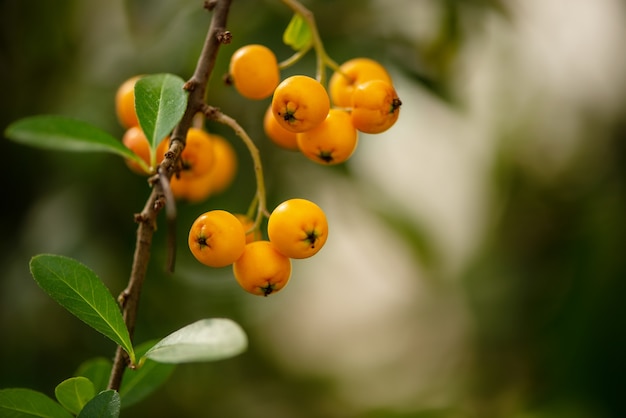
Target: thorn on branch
224	37
122	298
190	85
210	4
159	203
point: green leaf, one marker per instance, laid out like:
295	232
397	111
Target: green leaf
22	403
74	393
65	134
139	383
160	101
204	340
298	33
75	287
98	370
106	404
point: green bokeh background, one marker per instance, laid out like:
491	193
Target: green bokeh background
538	319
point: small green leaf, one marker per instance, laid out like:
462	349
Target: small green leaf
139	383
106	404
298	33
23	403
74	393
204	340
98	370
75	287
160	102
65	134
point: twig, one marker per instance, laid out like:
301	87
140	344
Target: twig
216	115
197	87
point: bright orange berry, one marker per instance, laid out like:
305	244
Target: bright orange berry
197	157
298	228
375	107
352	73
332	141
262	269
194	188
125	103
279	135
217	238
225	164
254	71
300	103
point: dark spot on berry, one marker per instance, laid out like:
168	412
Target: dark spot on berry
326	156
311	237
395	105
267	289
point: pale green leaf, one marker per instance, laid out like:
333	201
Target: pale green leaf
298	33
204	340
74	393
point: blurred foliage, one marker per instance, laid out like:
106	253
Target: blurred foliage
544	290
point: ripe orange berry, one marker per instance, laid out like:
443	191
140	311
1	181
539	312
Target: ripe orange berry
125	103
193	188
225	164
217	238
254	71
197	157
262	270
352	73
298	228
279	135
300	103
254	235
135	140
332	141
375	107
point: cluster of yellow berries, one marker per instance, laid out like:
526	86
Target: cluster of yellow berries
208	162
296	229
322	123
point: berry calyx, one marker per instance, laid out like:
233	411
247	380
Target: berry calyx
262	270
298	228
332	141
217	238
277	134
375	107
300	103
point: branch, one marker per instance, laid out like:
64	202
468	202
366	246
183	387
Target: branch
159	197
